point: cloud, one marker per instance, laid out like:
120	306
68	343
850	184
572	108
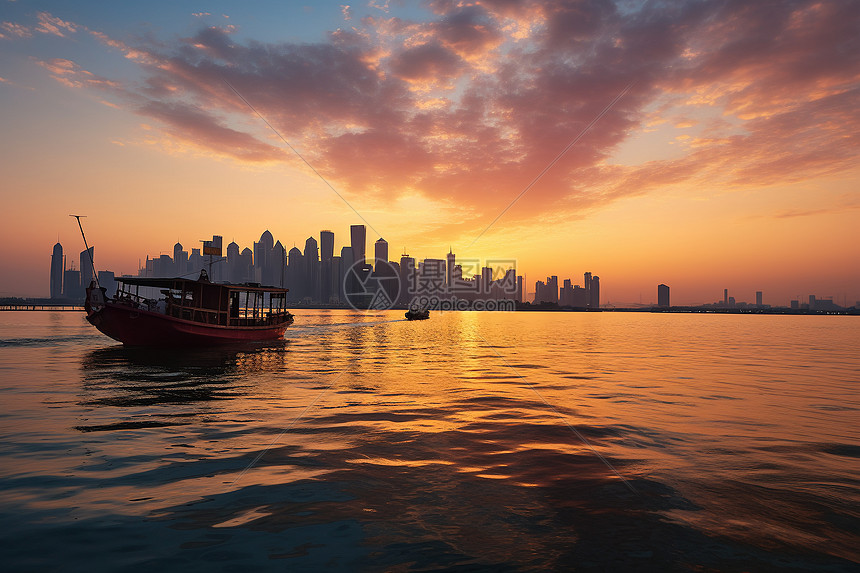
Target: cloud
467	105
11	29
48	24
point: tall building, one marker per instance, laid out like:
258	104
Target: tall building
279	265
344	277
594	295
246	266
312	269
380	251
358	242
107	280
449	277
72	283
586	283
408	279
87	267
663	295
262	253
234	263
180	262
758	298
296	275
726	297
328	282
57	271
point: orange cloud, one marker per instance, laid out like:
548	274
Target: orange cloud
469	105
48	24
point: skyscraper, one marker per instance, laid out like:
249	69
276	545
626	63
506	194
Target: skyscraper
358	242
586	283
408	279
312	268
594	300
662	295
262	253
326	245
328	282
279	265
234	264
296	274
449	277
380	251
57	271
180	260
758	298
87	267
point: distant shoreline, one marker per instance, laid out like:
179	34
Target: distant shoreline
35	304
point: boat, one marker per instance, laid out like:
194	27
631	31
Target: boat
189	312
417	314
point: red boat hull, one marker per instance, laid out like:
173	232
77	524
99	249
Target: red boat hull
136	327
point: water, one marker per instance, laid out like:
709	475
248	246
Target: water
469	442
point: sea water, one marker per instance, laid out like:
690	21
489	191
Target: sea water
522	441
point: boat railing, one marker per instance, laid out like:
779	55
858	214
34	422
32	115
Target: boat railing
186	306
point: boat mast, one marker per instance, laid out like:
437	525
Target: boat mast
87	247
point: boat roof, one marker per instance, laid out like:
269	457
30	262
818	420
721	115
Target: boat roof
176	283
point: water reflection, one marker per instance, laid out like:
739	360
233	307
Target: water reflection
440	445
135	378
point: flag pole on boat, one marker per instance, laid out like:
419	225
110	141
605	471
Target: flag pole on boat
87	247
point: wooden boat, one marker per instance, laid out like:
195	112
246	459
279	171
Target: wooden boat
417	314
188	313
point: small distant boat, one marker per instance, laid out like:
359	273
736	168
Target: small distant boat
189	312
417	315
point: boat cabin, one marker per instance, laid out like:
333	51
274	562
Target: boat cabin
201	301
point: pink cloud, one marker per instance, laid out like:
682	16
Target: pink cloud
505	85
49	24
10	29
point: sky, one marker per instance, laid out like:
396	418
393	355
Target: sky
704	145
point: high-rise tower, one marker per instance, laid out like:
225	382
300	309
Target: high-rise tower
87	267
358	242
57	271
328	281
380	251
662	295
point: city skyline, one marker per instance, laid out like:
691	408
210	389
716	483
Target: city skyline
694	145
328	276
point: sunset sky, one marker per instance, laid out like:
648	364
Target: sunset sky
722	150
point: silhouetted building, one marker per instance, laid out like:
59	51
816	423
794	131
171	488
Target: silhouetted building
594	295
279	264
328	282
380	251
107	280
195	263
758	298
87	267
57	268
726	297
662	295
345	278
312	269
180	260
72	284
547	291
408	279
296	275
450	261
358	242
263	270
234	263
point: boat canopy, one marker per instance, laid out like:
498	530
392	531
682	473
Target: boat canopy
178	283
